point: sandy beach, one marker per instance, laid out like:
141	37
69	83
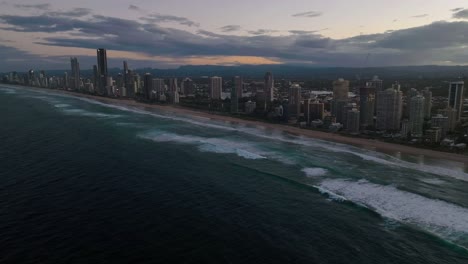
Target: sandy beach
376	145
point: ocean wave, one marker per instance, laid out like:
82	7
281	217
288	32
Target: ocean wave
81	112
277	135
8	90
442	218
215	145
315	172
62	105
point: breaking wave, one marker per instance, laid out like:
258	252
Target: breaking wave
442	218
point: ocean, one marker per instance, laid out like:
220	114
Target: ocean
82	181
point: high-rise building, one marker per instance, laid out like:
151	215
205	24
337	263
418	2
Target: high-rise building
147	86
427	103
375	83
216	87
313	110
295	99
389	109
451	114
173	85
173	91
442	122
455	98
75	73
405	128
187	86
237	86
95	76
159	86
416	116
352	121
340	98
269	87
66	80
102	69
367	106
340	89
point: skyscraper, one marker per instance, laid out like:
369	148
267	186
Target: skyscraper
367	106
216	86
173	91
269	87
375	83
102	69
187	86
389	109
340	89
340	98
237	85
295	101
75	72
455	98
95	77
147	86
417	115
427	103
352	121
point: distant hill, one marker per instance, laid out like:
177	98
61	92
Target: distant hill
299	72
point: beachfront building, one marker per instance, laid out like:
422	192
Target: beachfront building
340	99
216	87
352	121
416	116
236	90
269	87
455	97
295	101
451	114
389	109
442	122
427	103
367	106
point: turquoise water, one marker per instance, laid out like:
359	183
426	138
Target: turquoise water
85	181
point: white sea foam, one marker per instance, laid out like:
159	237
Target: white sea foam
314	172
366	155
8	90
215	145
433	181
439	217
62	105
81	112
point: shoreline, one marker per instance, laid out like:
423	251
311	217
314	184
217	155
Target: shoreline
369	144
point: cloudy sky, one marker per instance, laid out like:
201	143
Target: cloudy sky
170	33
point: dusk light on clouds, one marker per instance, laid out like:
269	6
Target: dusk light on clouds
170	33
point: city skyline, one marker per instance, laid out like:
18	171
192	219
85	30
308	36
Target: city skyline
161	34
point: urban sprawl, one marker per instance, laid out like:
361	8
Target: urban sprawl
371	110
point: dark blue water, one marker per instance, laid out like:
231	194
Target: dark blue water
84	183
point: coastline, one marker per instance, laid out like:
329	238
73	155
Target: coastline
375	145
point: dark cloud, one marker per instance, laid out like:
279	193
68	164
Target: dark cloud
302	32
133	7
456	9
308	14
44	6
420	16
306	32
159	18
461	14
439	41
262	31
230	28
75	12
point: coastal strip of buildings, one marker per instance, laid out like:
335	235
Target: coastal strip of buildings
371	108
